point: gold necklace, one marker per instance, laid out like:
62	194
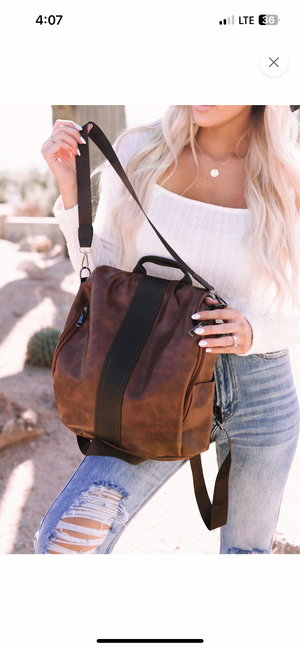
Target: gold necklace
215	172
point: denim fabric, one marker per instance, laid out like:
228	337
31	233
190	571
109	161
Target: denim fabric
261	415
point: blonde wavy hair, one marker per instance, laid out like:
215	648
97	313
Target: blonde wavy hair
272	192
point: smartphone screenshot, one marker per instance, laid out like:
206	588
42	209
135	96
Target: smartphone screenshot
150	338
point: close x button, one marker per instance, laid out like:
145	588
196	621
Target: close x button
274	62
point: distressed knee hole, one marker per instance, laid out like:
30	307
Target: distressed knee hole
239	551
84	527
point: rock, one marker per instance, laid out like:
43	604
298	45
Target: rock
25	245
18	430
16	423
39	243
282	546
30	267
9	408
30	417
57	251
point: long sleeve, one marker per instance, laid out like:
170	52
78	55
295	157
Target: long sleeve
274	332
271	333
104	244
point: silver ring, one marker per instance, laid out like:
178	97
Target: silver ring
51	138
235	342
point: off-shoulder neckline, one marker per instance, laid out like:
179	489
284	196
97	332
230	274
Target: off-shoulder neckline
209	206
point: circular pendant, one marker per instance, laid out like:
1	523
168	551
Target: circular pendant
214	173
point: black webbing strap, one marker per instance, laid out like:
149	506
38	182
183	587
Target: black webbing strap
123	355
97	447
214	514
85	230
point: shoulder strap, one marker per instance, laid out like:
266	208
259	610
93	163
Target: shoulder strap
214	514
85	230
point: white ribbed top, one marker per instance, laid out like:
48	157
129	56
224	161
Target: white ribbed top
208	237
198	232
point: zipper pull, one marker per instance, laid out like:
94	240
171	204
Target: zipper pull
82	317
198	324
192	331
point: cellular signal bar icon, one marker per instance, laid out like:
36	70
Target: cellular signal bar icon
227	21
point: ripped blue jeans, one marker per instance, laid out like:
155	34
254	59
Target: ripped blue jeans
261	415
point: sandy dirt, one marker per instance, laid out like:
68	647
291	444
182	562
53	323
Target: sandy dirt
32	472
36	291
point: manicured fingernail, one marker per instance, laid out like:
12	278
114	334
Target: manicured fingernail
79	127
71	154
199	330
82	140
78	152
196	316
203	343
208	349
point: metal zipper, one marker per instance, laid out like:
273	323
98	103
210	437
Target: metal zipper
196	372
83	316
68	332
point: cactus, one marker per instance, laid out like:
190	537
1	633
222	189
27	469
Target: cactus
41	346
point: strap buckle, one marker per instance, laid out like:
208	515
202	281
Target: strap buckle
222	302
84	265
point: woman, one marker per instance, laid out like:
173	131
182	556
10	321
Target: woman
222	184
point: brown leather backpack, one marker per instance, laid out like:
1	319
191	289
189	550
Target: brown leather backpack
129	378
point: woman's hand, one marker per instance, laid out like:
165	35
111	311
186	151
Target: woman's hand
59	151
236	329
